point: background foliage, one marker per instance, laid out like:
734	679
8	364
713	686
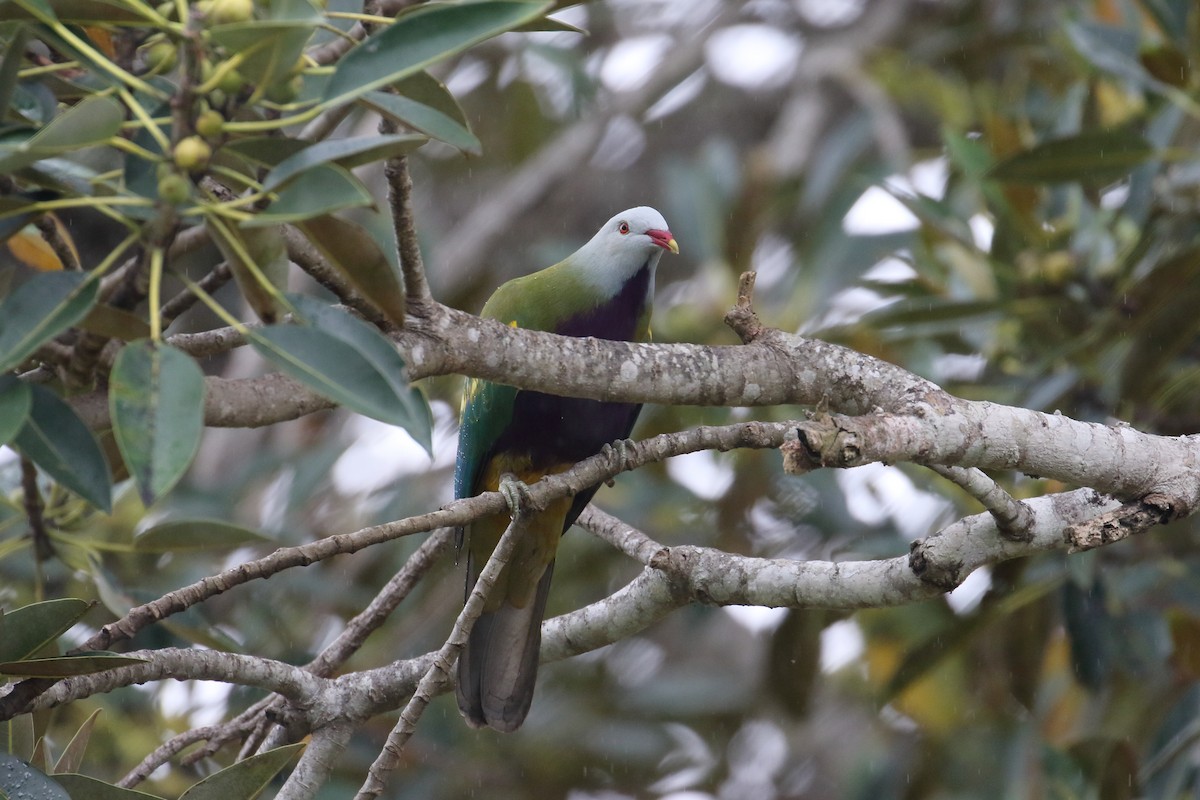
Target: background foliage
1000	196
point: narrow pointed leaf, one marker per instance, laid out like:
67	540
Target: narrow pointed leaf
26	630
194	535
426	119
1094	157
20	780
368	342
59	442
156	398
347	153
40	309
81	787
415	41
72	754
15	402
320	190
66	666
352	249
244	780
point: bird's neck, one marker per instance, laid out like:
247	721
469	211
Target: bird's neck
620	315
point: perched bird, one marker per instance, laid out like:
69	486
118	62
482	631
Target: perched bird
604	290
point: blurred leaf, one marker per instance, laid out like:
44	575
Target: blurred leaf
78	11
426	119
1185	641
26	630
1165	324
244	780
20	781
115	323
156	399
266	151
416	40
81	787
347	153
72	754
1094	157
353	250
316	192
59	442
66	666
91	121
15	402
40	309
1111	766
270	49
16	735
795	660
1088	629
195	534
1110	49
257	257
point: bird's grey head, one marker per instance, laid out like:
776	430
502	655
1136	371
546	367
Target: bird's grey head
625	244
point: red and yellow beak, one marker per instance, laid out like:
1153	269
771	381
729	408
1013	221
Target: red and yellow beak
664	239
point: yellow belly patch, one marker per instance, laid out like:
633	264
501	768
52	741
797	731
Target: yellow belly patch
538	543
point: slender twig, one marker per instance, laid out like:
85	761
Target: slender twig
626	538
438	673
43	548
164	753
400	187
1014	520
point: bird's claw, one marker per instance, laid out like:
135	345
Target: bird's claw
621	450
516	493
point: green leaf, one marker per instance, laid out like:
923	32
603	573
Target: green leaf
257	257
26	630
66	666
58	441
244	780
195	534
352	248
333	368
1094	157
368	342
426	119
347	153
91	121
40	309
321	190
266	151
72	754
15	402
270	48
156	398
19	780
415	41
81	787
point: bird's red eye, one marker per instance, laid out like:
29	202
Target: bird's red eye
623	228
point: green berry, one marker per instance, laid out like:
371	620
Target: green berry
192	154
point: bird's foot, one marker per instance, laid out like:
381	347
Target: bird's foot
516	493
620	451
